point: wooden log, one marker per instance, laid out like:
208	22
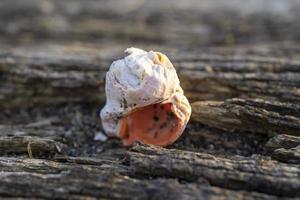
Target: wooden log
60	164
285	148
33	146
250	174
61	74
283	141
48	179
218	77
249	115
27	78
291	155
31	141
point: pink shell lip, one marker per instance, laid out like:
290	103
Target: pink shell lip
145	102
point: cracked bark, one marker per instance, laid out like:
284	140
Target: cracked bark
249	115
250	174
49	78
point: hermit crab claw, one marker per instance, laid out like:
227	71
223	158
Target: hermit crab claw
145	102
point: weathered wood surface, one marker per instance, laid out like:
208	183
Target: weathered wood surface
98	179
256	116
238	62
56	72
255	174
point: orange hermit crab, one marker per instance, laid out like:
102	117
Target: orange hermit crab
144	100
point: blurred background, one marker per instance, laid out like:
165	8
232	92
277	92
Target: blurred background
179	24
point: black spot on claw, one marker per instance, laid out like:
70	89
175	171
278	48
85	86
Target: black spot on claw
155	118
163	125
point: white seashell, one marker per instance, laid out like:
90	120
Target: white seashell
144	99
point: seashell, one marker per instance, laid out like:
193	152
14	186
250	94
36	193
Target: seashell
144	100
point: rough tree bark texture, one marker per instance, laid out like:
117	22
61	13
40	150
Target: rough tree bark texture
238	62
